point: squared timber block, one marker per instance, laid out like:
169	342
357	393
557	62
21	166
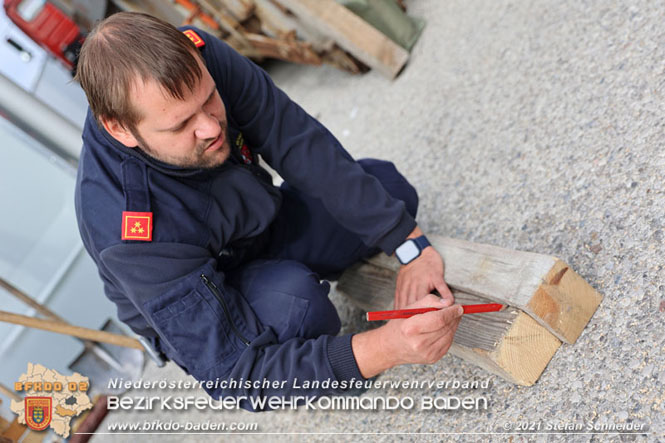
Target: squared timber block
547	303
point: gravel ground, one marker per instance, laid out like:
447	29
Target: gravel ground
531	125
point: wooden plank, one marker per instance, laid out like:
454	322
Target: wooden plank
75	331
292	51
15	430
230	25
89	421
277	23
194	13
543	294
4	424
240	9
35	437
351	33
341	60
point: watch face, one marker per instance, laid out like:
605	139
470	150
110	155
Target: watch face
407	251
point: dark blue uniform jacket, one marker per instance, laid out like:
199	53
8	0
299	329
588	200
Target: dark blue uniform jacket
173	288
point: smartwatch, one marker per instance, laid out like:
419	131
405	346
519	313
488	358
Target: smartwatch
411	249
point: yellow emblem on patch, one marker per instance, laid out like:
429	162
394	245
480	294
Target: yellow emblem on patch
194	37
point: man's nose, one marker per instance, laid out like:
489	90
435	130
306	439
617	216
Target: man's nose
208	127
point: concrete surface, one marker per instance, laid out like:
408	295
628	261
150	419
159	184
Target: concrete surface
531	125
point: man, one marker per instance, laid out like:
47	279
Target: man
202	254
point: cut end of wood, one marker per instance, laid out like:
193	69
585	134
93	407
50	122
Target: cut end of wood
564	302
526	350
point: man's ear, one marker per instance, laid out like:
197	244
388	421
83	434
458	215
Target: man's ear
119	132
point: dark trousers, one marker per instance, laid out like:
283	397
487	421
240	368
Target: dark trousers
284	288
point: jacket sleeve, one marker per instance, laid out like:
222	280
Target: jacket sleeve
208	328
304	152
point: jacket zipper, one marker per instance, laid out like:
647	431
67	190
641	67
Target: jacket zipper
213	289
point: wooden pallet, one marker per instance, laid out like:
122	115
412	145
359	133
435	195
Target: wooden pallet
299	31
547	303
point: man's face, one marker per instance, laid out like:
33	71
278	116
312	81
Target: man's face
190	133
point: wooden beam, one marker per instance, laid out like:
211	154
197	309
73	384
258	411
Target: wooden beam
194	13
14	431
288	50
74	331
276	23
240	9
540	285
509	343
517	343
341	60
351	33
230	25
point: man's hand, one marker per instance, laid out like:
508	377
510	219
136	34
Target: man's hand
423	338
420	277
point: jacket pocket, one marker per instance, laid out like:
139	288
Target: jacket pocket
199	327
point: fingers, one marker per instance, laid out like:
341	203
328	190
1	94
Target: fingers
429	300
408	292
444	341
414	292
435	320
431	346
400	294
444	291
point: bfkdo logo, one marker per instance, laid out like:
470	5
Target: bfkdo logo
50	400
38	412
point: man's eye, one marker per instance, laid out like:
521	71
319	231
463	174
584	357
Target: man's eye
211	98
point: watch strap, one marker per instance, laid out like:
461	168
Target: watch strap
422	242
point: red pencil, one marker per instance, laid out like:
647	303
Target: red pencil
406	313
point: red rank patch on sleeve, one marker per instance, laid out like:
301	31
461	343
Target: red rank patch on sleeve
194	37
136	226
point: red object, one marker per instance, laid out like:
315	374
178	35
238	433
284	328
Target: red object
91	422
406	313
37	412
47	26
136	226
194	37
478	309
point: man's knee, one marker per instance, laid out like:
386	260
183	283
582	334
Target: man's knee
394	182
320	317
293	300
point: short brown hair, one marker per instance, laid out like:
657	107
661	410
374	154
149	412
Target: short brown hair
129	46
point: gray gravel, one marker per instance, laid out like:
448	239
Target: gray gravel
531	125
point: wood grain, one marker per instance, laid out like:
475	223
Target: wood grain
351	33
